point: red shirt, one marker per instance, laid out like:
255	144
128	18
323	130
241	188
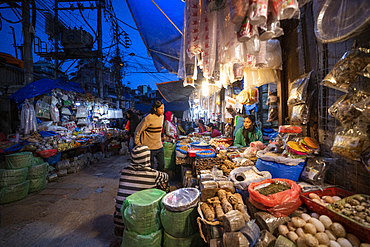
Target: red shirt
215	133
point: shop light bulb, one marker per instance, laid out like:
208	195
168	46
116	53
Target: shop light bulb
205	88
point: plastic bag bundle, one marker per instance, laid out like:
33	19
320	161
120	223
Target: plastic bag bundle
233	221
28	118
273	55
192	33
266	239
345	71
285	9
132	239
54	113
258	11
11	177
62	165
242	177
141	211
300	113
179	224
231	239
269	222
238	10
14	193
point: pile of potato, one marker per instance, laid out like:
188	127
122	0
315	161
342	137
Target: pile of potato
324	200
315	230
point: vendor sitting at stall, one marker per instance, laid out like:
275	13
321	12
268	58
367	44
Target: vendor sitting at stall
136	177
247	134
212	128
201	126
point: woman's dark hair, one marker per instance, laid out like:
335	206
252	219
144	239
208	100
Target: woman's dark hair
130	112
245	131
201	121
211	125
155	105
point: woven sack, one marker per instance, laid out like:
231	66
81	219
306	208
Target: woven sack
38	160
192	241
132	239
37	171
140	211
11	177
14	193
37	184
169	155
18	160
180	224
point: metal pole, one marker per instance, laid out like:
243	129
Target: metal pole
15	42
100	52
56	39
28	57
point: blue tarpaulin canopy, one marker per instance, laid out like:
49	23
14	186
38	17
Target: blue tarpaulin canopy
160	23
43	86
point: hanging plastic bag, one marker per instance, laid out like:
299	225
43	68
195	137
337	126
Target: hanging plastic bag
298	92
273	113
300	113
81	112
278	204
286	9
261	57
42	109
258	11
238	10
246	30
346	69
364	107
66	111
54	113
272	98
253	44
345	110
349	143
192	31
28	118
273	55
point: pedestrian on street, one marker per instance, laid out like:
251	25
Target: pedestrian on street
136	177
149	132
133	123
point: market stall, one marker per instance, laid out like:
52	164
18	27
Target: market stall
62	130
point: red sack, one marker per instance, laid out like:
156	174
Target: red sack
280	204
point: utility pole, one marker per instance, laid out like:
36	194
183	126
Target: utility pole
56	39
28	38
15	42
117	67
100	52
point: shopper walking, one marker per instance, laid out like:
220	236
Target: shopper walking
148	133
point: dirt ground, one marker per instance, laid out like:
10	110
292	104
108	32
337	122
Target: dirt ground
76	210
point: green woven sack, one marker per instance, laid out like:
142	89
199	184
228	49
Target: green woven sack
140	211
132	239
169	155
192	241
18	160
11	177
38	160
180	224
14	193
37	171
37	184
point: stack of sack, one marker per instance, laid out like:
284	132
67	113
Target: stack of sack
140	212
179	218
13	183
37	175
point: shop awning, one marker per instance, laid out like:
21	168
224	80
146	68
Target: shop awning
160	23
174	91
43	86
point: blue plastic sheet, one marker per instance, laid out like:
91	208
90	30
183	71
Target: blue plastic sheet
44	86
15	147
279	170
47	133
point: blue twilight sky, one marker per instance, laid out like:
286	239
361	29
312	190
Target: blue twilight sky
138	65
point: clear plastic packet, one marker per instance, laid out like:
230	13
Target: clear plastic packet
347	108
253	44
81	112
286	9
238	10
300	113
54	113
346	69
315	170
349	142
273	54
298	92
246	30
273	113
42	109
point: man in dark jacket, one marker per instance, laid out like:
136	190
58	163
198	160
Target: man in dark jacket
134	121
